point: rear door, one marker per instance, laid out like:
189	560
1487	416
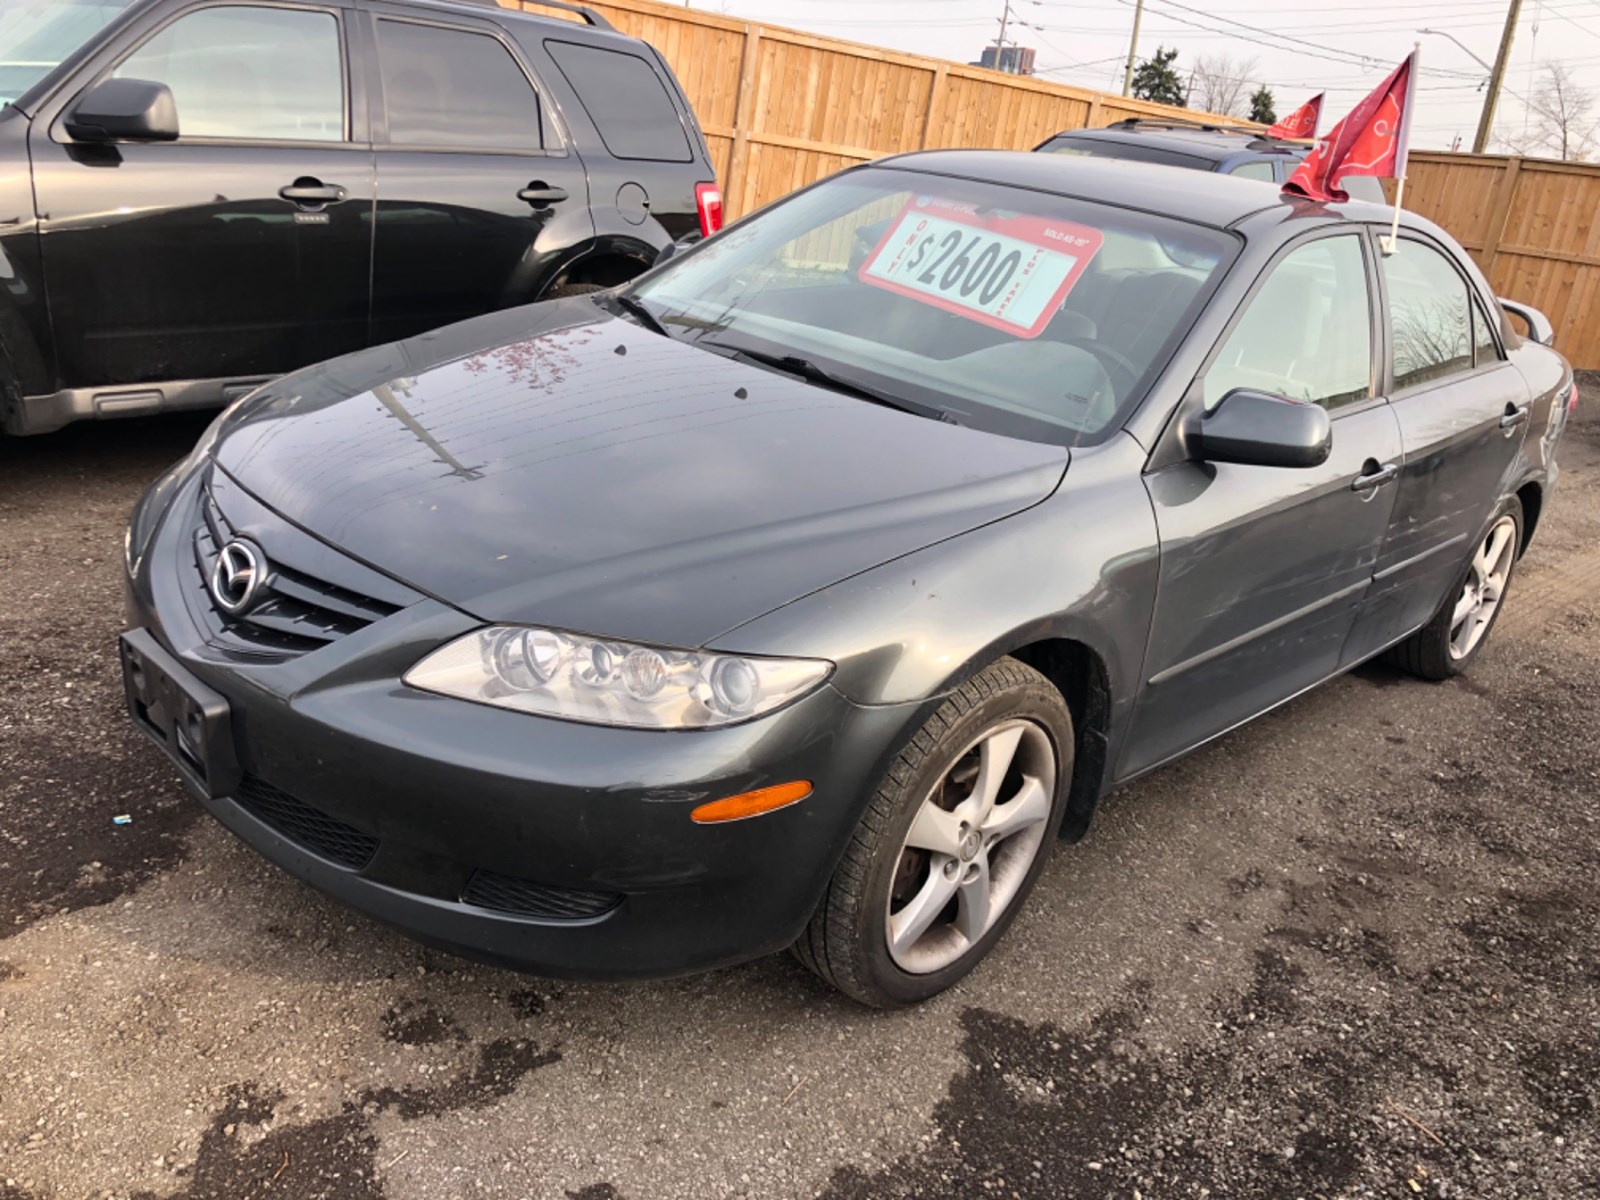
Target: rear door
479	191
1263	569
240	250
1463	413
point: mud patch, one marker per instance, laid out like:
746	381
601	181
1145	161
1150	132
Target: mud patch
60	850
416	1023
500	1067
333	1157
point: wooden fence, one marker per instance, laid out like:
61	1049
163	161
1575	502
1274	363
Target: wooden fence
1531	225
781	108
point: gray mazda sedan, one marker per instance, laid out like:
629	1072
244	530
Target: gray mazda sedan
802	592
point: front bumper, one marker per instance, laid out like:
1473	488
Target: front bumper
543	845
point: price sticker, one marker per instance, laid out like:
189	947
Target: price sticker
1010	272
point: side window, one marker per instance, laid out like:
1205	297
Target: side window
1259	169
1429	314
1306	333
249	73
627	101
451	87
1484	350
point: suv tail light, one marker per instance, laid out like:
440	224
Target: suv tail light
1572	399
708	202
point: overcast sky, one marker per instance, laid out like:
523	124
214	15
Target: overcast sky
1343	47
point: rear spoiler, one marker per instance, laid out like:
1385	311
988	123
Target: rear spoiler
1539	327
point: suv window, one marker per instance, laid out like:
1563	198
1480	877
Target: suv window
1306	333
1428	311
249	73
452	87
627	101
1259	169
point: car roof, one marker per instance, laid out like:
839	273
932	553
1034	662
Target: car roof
1201	197
1202	141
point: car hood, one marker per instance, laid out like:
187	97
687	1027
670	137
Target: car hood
555	465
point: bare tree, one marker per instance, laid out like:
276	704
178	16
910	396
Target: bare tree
1566	124
1221	84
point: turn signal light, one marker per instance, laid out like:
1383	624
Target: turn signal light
708	203
752	804
1572	400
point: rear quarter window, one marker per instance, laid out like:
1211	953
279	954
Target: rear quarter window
627	101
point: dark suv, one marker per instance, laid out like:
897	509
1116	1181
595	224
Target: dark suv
199	195
1225	149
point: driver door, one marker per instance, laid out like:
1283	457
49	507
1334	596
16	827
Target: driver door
1263	569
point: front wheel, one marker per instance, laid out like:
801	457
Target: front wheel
949	845
1447	644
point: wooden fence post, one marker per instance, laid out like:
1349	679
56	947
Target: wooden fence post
743	114
1092	121
1500	214
931	118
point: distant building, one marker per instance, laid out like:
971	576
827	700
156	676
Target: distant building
1013	60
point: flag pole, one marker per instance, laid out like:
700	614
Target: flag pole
1391	244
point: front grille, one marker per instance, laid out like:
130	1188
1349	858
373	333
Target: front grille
308	827
296	612
519	897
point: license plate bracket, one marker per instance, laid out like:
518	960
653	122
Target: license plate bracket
180	714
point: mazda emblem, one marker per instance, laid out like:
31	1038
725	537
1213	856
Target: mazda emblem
237	576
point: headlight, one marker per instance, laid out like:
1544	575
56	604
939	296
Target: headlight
606	682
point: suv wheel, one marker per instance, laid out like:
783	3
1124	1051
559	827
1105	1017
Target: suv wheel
949	845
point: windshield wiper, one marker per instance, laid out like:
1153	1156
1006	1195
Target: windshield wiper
635	307
804	368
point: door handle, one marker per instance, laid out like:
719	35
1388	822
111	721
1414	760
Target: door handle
1374	476
1514	416
538	193
312	193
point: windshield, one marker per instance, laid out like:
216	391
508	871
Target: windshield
35	35
1025	313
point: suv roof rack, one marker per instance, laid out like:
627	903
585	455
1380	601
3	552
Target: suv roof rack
588	14
1183	123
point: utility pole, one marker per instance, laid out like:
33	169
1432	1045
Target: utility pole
1133	47
1486	121
1000	42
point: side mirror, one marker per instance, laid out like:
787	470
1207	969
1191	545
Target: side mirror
1539	327
672	249
1258	429
133	110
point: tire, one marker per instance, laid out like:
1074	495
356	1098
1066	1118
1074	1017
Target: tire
1440	649
574	289
883	881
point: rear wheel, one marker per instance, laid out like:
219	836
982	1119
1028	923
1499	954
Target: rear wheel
949	845
1447	644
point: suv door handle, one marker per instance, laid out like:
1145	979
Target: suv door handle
312	193
538	193
1514	416
1374	476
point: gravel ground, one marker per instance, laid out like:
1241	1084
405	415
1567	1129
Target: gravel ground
1351	950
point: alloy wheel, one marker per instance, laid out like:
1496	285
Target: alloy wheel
970	846
1485	585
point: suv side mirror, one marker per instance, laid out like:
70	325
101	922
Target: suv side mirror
672	249
133	110
1258	429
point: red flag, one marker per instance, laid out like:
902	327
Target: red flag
1301	124
1371	140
